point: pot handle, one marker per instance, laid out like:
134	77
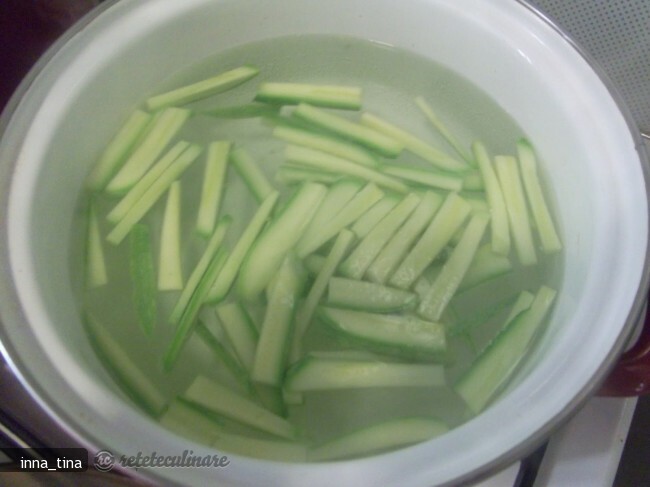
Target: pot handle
631	376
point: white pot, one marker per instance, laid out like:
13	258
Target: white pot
83	88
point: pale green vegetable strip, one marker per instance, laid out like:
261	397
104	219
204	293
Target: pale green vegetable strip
477	202
191	311
524	301
165	126
325	143
271	248
247	110
187	421
398	246
378	437
140	188
240	330
289	174
276	333
170	272
442	228
96	274
425	177
332	96
513	194
202	89
283	451
442	128
473	181
362	201
199	269
230	270
143	277
153	193
498	212
414	144
486	265
306	311
321	374
136	381
215	397
498	361
370	218
338	195
544	223
314	263
118	150
403	335
223	355
305	156
271	397
453	271
368	296
372	139
216	164
251	173
362	256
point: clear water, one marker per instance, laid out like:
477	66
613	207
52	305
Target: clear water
391	79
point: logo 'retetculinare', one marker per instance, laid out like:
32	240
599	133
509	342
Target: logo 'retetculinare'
104	461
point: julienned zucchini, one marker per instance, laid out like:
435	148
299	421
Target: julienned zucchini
191	311
414	144
357	206
365	136
96	274
195	91
402	335
216	165
275	337
497	362
221	400
123	367
201	266
170	272
140	208
453	271
543	222
118	150
379	437
357	263
182	418
143	277
306	311
231	268
442	228
380	263
164	127
368	296
252	174
321	374
240	330
331	96
326	143
270	249
397	247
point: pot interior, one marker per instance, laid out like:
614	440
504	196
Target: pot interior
590	164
